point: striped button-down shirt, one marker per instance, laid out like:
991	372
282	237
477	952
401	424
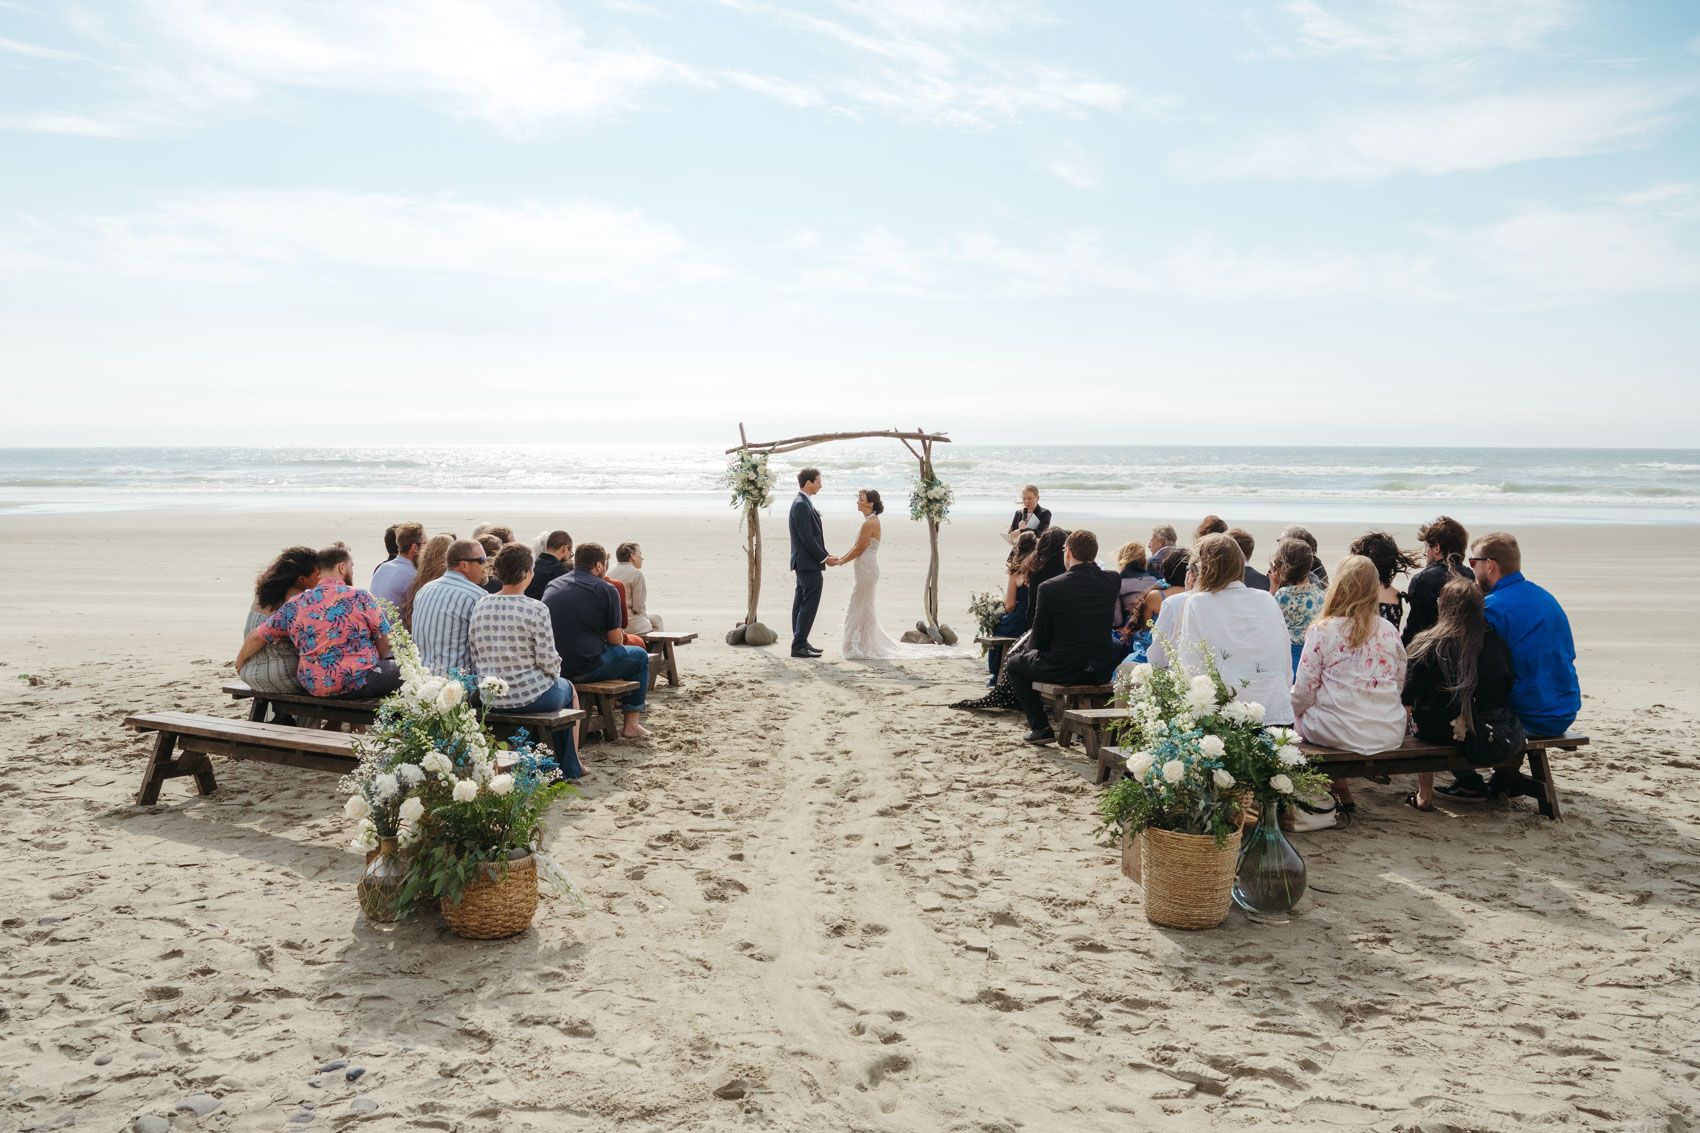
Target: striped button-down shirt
442	611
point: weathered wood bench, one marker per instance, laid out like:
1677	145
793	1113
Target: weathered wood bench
1060	700
663	646
363	712
185	742
602	700
1411	757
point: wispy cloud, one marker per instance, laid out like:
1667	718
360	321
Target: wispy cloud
1582	252
1427	29
1448	137
1074	166
37	51
259	234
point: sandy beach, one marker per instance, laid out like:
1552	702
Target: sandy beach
817	899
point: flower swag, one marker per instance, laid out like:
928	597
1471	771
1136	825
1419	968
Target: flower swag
749	479
930	499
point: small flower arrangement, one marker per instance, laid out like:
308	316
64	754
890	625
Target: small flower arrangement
433	777
930	499
986	608
1195	747
749	479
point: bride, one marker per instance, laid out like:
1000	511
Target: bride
864	638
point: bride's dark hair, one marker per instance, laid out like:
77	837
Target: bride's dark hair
873	499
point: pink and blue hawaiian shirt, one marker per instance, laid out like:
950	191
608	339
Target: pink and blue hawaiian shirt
335	628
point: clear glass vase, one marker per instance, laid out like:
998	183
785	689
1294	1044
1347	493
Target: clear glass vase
1270	877
380	884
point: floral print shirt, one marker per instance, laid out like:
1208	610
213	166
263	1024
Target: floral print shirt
1300	605
335	628
1349	698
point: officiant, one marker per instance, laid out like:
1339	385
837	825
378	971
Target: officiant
1030	516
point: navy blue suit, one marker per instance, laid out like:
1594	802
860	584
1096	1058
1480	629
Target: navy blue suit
808	559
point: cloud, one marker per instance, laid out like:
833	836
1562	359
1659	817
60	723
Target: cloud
1559	252
1427	29
36	51
1075	167
1679	199
877	263
1207	269
257	234
1448	137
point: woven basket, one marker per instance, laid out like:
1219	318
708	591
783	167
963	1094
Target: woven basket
1188	880
497	904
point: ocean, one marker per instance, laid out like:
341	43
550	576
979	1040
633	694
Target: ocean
1266	483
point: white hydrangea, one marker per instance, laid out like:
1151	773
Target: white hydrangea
1174	771
465	790
1140	675
1222	779
356	807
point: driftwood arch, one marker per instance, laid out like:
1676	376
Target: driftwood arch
920	444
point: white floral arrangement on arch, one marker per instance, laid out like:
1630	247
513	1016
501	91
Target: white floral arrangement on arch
433	777
749	479
930	499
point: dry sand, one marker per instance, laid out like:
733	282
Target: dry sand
819	900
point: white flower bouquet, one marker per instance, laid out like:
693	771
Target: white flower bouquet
986	608
428	777
749	479
1196	746
930	499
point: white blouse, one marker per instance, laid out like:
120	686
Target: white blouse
1244	631
1349	698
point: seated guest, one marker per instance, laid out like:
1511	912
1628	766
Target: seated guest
503	533
1160	544
1209	525
492	547
340	634
1070	642
1458	685
511	637
443	610
1241	628
1254	578
1136	634
1545	692
1347	691
1383	550
1046	562
1294	531
1444	542
1030	516
1181	574
551	564
1297	592
584	611
433	562
1017	617
1137	580
390	542
394	577
628	570
273	668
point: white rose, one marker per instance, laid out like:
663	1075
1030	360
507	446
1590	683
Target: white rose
451	695
356	807
1222	779
465	790
411	774
1253	711
386	785
502	784
1139	763
1174	771
1212	747
365	838
1281	784
438	764
412	810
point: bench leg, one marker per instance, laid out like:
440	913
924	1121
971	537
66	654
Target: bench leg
162	766
671	652
257	709
610	712
1540	768
1064	730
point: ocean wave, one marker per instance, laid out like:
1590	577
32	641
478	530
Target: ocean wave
1664	466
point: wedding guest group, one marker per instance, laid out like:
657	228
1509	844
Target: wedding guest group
482	606
1474	653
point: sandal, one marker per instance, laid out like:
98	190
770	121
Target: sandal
1470	794
1343	810
1411	801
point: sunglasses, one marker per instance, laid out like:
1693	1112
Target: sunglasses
1480	559
486	558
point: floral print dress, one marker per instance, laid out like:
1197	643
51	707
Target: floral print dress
335	628
1349	698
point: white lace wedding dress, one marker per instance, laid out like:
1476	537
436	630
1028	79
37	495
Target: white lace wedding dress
864	638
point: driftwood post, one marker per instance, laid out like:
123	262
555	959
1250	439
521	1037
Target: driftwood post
923	454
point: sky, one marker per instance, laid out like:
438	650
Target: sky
1391	222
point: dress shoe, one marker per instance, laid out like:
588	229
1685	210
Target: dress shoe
1039	737
813	652
804	654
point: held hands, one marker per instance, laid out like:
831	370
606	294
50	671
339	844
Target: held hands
833	560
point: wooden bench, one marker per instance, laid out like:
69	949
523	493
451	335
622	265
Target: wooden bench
362	712
663	646
602	701
1412	756
185	741
990	641
1060	700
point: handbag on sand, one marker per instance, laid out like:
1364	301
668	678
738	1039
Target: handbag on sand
1301	815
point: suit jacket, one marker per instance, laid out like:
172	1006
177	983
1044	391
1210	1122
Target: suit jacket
1019	523
808	539
1072	616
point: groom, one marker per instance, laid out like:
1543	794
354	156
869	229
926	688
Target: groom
809	559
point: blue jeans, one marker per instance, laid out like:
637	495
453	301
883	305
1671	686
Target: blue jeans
554	698
623	663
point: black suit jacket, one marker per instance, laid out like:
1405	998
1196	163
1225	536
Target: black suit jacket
808	539
547	570
1019	523
1072	616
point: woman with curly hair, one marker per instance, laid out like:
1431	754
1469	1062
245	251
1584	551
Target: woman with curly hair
1383	550
272	669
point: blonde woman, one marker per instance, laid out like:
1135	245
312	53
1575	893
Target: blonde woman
1352	671
433	564
1241	629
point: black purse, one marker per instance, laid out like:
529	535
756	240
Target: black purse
1494	738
